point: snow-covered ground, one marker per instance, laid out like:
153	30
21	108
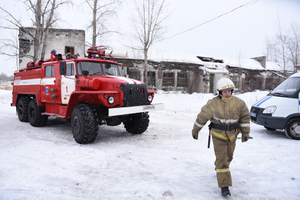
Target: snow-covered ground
163	163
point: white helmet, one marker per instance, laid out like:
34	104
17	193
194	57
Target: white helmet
225	84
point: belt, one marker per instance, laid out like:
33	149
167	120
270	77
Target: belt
224	127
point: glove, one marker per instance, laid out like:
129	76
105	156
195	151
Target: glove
195	134
245	137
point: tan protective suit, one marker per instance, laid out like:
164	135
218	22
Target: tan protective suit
224	111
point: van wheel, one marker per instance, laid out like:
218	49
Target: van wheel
292	129
22	109
35	116
84	122
137	124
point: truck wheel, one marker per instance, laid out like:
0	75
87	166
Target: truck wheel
137	123
84	122
22	109
35	114
292	129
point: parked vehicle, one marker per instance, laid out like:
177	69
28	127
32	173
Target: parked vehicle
280	109
87	91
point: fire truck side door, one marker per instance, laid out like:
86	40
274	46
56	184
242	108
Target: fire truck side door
48	90
68	82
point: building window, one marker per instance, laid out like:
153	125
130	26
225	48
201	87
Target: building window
168	79
236	80
135	74
182	80
69	50
151	79
49	71
252	82
211	83
272	82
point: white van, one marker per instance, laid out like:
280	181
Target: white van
280	109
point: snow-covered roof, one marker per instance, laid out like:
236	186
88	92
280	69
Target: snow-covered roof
218	70
274	66
245	63
248	63
169	57
174	57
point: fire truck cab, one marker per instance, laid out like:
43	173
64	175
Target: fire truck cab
88	91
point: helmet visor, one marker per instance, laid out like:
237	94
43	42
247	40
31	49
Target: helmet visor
227	89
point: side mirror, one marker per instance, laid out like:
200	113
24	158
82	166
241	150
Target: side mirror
62	67
107	65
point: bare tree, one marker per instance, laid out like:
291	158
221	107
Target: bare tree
269	51
281	41
148	24
285	47
43	11
101	10
293	46
9	45
44	19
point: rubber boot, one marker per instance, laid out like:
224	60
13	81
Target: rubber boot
225	191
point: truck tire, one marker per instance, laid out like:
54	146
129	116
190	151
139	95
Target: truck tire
137	123
84	122
35	116
292	129
22	109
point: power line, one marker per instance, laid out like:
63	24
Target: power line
246	4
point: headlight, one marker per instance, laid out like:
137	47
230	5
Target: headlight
150	98
111	100
270	110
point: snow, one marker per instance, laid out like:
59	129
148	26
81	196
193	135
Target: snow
173	57
244	63
163	163
274	66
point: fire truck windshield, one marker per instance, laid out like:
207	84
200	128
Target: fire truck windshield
91	68
111	69
94	68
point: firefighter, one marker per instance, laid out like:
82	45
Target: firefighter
229	115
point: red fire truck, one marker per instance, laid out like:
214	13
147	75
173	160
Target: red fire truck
87	91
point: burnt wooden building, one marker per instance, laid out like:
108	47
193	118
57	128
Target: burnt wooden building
255	74
202	74
168	75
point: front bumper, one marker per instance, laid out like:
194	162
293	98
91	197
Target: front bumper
266	119
134	109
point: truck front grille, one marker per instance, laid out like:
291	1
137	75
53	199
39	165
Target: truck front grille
134	94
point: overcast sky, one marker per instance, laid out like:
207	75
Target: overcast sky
240	33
